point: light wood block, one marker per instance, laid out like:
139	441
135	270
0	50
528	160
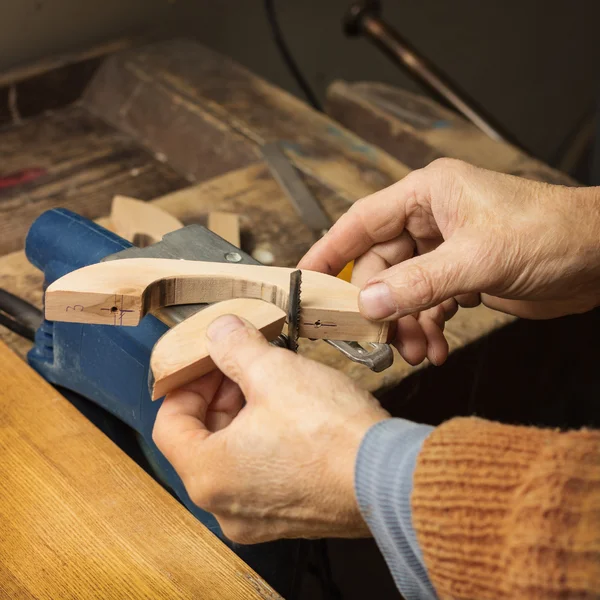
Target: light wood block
226	225
181	356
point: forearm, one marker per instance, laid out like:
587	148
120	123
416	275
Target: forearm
509	512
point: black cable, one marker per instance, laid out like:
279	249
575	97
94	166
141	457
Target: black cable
16	327
287	55
18	315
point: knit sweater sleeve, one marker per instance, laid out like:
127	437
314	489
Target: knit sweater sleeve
503	512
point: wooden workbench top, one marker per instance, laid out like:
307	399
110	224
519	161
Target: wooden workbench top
79	519
203	116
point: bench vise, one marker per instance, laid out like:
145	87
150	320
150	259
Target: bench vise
109	366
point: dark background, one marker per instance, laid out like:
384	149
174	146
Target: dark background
532	63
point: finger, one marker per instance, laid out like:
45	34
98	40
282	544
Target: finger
241	352
470	300
432	324
382	256
410	340
449	309
225	407
377	218
424	281
180	426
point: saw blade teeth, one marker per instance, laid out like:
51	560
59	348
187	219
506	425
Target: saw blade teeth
294	309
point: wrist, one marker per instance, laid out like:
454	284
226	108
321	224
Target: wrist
340	471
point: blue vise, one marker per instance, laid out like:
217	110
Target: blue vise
109	366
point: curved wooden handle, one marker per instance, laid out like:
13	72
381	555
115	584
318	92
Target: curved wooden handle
180	356
121	292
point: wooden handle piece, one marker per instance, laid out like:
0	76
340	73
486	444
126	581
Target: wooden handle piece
181	356
121	292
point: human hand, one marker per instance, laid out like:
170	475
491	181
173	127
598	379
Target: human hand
280	466
453	234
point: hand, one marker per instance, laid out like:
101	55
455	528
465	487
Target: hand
280	466
452	234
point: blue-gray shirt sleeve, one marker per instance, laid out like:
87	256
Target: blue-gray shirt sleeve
384	478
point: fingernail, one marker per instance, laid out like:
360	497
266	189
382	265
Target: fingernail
222	327
376	301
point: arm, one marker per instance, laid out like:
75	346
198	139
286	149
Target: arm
509	512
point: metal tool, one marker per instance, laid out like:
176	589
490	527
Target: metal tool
308	207
380	356
364	18
293	316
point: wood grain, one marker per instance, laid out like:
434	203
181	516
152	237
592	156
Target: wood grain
417	130
134	220
85	162
177	92
79	519
226	225
122	292
181	356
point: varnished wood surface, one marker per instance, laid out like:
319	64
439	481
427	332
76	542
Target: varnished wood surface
80	520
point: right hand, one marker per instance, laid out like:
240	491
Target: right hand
453	234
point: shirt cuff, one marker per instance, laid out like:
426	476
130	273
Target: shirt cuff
383	484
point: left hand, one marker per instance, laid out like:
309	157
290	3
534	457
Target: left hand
282	464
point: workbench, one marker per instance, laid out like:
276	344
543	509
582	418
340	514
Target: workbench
155	119
178	124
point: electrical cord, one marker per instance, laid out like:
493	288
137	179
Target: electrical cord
287	55
18	315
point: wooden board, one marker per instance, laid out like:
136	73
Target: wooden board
206	114
138	221
121	292
225	225
85	163
180	356
417	130
79	519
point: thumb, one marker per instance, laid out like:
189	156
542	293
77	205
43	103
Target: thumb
239	350
422	282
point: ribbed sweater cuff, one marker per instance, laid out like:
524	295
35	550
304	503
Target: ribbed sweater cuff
383	481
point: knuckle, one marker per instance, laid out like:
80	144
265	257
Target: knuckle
419	280
200	494
160	435
447	165
239	532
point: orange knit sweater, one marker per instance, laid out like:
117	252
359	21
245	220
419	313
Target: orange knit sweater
509	512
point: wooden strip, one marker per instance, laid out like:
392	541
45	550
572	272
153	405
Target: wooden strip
133	219
122	292
180	356
76	508
226	225
417	130
22	72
